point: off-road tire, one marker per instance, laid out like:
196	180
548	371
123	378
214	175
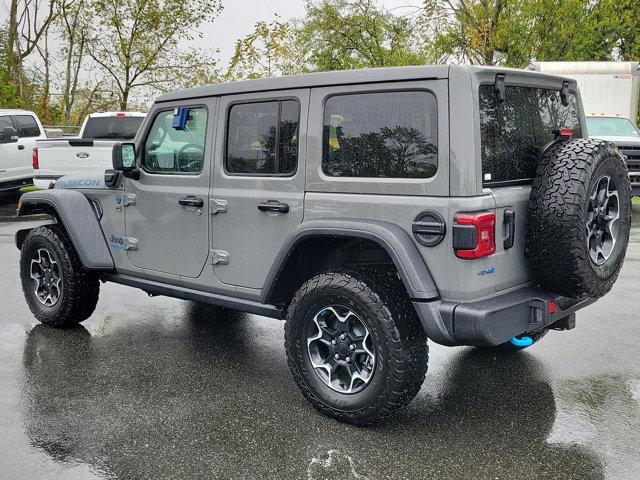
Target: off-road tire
80	287
557	234
380	299
508	347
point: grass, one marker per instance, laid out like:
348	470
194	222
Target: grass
635	200
30	188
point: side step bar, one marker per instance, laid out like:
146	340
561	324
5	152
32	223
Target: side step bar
156	288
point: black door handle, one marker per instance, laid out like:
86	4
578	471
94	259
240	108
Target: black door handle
20	147
510	220
191	202
273	206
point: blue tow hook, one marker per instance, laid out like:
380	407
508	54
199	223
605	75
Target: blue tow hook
523	342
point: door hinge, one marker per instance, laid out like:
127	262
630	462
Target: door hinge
130	199
130	244
219	257
217	206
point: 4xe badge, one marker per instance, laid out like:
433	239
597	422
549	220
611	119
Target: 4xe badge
488	271
118	201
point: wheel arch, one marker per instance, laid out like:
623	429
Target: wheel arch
73	211
331	235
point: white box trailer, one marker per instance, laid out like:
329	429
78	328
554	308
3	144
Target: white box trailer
607	88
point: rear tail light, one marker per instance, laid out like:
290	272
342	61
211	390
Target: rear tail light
34	159
474	235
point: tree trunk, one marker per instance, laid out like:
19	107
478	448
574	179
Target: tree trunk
12	37
124	99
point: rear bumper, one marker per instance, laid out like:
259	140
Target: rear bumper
495	320
634	178
10	185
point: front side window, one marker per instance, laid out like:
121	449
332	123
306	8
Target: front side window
176	150
6	122
387	134
514	132
262	138
27	126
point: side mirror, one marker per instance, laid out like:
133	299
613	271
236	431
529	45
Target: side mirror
124	157
9	135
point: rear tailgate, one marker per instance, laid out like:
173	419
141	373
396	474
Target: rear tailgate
513	136
61	157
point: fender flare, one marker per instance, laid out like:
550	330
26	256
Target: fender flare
395	241
75	213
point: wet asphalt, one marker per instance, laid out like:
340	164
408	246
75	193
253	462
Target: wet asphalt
166	389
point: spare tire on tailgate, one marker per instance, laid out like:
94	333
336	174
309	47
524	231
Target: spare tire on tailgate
579	218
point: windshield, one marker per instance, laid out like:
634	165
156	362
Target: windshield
611	127
112	128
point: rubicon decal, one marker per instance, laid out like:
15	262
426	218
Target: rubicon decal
80	183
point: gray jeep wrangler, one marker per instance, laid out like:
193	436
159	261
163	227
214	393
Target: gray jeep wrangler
371	209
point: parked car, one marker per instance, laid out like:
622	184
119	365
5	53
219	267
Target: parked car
90	152
371	209
19	131
625	135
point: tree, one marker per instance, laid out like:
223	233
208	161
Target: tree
141	43
7	87
340	35
29	22
470	31
75	23
269	51
515	32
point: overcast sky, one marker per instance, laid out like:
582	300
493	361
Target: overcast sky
239	16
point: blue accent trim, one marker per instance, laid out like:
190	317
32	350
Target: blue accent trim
180	117
523	342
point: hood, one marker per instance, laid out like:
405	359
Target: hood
81	181
617	139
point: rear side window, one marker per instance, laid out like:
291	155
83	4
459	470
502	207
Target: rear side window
386	134
262	138
112	128
514	132
27	126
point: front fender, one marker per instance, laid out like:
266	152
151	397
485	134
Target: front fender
74	211
397	243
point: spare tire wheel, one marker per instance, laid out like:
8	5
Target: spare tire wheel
579	218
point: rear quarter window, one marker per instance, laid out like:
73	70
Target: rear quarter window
514	132
380	134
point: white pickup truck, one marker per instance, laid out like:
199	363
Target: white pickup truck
19	131
88	153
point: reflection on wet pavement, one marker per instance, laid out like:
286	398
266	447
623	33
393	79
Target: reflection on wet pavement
159	388
210	391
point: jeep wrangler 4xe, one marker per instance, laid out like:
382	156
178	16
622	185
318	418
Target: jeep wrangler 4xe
371	209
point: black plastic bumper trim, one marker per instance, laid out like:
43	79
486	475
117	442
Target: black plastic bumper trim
495	320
